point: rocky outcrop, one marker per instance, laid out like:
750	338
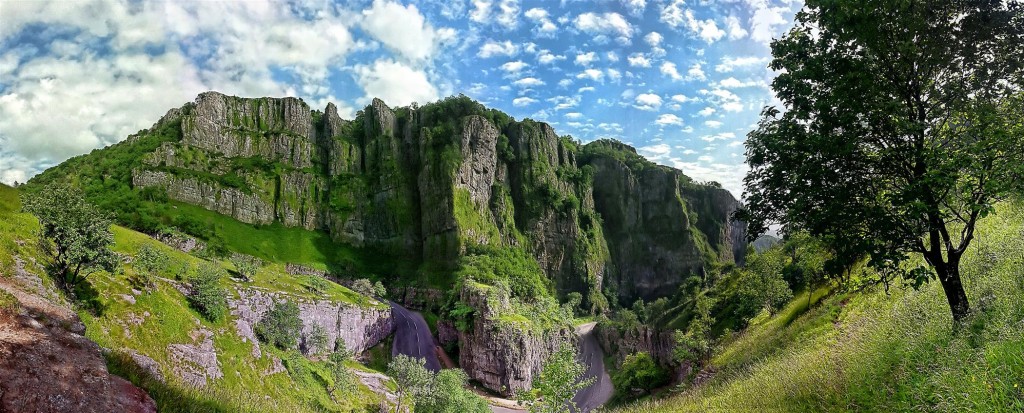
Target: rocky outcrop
359	327
47	365
621	343
504	356
196	364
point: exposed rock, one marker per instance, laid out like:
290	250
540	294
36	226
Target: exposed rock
150	366
504	357
360	328
420	299
45	366
659	344
196	364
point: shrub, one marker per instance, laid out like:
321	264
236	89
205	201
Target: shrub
206	294
317	341
149	263
342	380
363	286
317	285
280	326
639	373
246	266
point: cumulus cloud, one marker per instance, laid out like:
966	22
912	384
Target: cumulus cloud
648	101
546	57
638	60
396	83
513	67
528	82
729	64
675	14
545	27
586	59
404	29
592	74
523	101
669	69
654	39
735	28
604	23
713	124
765	20
666	119
635	7
492	48
655	152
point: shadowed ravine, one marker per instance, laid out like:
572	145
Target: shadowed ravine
413	338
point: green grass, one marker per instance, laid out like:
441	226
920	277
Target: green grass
245	386
880	353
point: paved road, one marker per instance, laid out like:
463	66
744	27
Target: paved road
412	337
592	356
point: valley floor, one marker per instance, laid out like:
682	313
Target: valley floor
882	352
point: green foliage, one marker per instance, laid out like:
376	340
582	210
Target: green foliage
694	345
447	393
379	290
206	294
9	304
761	286
317	341
75	234
559	380
343	381
513	266
149	263
412	378
317	285
246	266
573	301
463	316
639	373
888	146
281	325
363	286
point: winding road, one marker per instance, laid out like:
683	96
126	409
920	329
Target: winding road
413	338
592	356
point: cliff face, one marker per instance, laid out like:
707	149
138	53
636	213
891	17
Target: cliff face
504	355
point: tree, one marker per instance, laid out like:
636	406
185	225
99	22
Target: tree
411	375
560	379
448	394
281	326
149	262
640	372
246	266
73	232
342	380
363	286
761	286
901	129
317	341
695	344
206	294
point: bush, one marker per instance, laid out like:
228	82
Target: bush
149	262
317	285
364	287
317	341
246	266
639	373
206	294
280	326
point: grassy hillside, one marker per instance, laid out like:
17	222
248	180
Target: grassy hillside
148	322
876	352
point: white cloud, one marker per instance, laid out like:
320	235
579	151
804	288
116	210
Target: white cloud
655	152
564	102
523	101
481	12
586	89
733	83
612	56
509	16
676	14
648	101
669	69
724	136
669	119
546	57
635	7
736	30
403	29
713	124
654	39
592	74
528	82
573	115
395	83
605	23
638	60
613	74
683	99
725	99
708	111
514	66
586	59
545	27
695	73
492	48
764	20
729	64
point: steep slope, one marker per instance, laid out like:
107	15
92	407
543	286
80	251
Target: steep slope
432	196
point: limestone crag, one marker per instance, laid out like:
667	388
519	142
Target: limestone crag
504	357
659	344
359	327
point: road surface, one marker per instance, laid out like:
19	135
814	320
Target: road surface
413	338
592	356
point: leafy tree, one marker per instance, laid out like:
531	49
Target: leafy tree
150	261
559	380
206	294
695	344
342	380
639	372
901	129
73	232
761	285
363	286
573	301
379	290
281	325
317	341
411	375
246	266
447	393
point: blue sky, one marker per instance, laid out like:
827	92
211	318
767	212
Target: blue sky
682	81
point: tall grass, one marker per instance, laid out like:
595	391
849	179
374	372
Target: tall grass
876	352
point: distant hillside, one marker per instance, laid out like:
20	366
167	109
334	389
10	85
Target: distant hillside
765	242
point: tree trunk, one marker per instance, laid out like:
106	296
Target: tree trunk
949	276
